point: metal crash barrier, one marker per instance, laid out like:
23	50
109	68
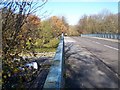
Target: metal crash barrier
55	77
104	35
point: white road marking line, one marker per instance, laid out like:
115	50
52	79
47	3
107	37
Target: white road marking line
97	42
107	46
111	47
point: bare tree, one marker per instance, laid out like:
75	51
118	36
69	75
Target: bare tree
104	22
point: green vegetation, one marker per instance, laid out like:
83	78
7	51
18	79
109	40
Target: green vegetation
73	31
42	50
52	44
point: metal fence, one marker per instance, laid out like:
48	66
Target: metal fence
104	35
55	78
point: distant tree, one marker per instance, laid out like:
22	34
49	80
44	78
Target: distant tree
66	25
72	31
111	23
46	31
58	25
104	22
82	24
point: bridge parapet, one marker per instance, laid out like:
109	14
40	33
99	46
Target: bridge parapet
104	35
55	78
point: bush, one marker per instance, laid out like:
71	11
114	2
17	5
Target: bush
39	43
41	50
52	44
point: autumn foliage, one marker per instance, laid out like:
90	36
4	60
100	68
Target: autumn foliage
58	25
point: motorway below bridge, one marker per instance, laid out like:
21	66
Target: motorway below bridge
91	63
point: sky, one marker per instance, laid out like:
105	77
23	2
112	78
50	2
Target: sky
73	10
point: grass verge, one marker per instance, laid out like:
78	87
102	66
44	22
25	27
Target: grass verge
41	50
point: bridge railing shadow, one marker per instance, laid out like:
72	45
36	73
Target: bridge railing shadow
82	70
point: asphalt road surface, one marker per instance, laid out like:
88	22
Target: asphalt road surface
105	50
91	63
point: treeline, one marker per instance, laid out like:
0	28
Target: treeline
50	32
104	22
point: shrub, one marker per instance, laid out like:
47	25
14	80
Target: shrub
39	43
53	43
